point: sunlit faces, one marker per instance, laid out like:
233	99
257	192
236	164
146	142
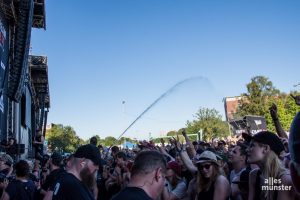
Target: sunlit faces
206	169
235	155
256	152
170	174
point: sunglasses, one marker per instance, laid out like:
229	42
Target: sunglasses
205	166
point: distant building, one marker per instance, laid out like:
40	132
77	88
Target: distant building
231	105
24	91
243	124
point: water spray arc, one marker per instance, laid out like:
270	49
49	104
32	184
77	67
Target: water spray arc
158	99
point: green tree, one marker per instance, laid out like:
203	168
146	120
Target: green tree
261	94
63	138
108	141
172	133
210	121
259	91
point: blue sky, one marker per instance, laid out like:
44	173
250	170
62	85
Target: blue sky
102	53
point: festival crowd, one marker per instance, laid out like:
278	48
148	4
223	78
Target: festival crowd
262	166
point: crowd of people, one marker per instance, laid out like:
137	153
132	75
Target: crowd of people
261	166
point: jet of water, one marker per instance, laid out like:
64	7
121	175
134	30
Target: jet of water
160	98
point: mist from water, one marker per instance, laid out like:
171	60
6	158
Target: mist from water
165	94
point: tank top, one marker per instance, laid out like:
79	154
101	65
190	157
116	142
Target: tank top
208	194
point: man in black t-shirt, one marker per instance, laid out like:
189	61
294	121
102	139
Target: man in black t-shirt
147	177
56	172
21	188
78	182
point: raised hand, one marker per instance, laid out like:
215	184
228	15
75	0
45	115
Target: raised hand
296	98
178	145
273	111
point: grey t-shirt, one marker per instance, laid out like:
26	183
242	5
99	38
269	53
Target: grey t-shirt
180	190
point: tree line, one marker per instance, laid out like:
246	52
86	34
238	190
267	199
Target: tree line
261	94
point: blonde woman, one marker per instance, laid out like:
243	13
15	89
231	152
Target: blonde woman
271	181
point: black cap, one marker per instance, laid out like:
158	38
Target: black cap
246	137
88	151
56	155
271	139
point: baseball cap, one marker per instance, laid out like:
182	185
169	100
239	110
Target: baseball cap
271	139
56	157
175	167
246	137
88	151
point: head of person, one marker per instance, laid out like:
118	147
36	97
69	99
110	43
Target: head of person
238	154
173	172
93	140
5	161
11	141
207	164
208	169
221	144
38	133
180	162
121	159
294	147
264	150
114	150
22	169
196	145
149	167
56	159
264	146
86	161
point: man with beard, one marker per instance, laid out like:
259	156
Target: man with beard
77	183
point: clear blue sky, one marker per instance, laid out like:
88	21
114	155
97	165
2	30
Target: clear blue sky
101	53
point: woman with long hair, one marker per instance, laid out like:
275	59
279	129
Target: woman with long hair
271	181
211	184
